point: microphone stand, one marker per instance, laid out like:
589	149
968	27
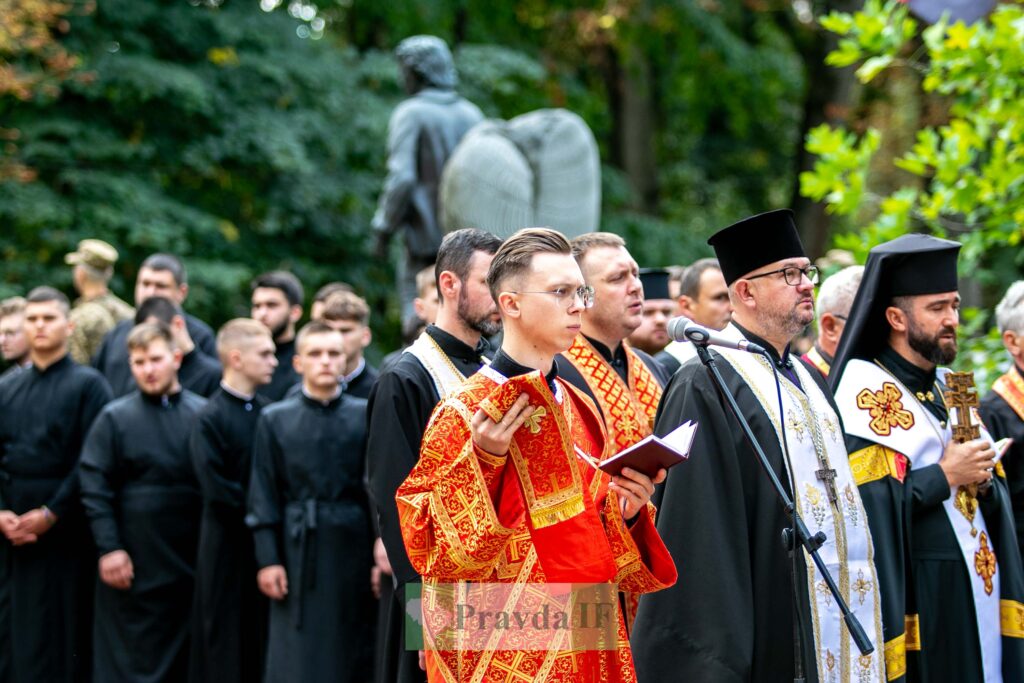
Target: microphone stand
798	535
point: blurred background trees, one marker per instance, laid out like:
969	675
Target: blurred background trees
249	134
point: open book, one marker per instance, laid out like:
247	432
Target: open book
651	453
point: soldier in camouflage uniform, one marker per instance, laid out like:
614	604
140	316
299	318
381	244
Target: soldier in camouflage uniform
97	310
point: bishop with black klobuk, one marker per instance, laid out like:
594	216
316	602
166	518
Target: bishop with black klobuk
730	616
141	496
308	510
229	612
947	550
46	555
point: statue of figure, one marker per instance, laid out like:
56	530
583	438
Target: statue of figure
540	168
422	132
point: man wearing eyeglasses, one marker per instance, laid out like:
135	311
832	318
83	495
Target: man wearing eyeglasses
835	297
503	492
731	615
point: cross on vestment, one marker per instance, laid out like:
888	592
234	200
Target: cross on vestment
961	397
828	477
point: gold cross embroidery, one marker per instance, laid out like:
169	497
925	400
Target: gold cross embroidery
533	421
795	426
512	671
628	426
886	409
985	563
862	586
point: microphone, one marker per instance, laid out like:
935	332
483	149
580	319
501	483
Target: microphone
684	329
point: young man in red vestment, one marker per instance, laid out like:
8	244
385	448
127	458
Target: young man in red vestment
501	494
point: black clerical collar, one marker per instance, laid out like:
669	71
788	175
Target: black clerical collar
455	347
64	362
164	400
285	346
916	379
783	362
504	365
616	358
234	393
333	401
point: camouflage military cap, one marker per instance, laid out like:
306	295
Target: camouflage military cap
95	253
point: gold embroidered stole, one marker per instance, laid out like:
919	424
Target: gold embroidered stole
628	411
1010	388
815	358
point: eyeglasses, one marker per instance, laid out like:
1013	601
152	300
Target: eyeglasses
565	295
792	274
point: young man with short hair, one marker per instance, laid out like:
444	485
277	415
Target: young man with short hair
317	308
464	515
13	340
348	314
160	275
310	522
140	492
277	303
97	310
46	555
229	613
198	373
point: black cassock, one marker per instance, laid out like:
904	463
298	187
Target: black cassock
112	357
229	613
141	495
362	384
399	409
308	512
1003	421
729	618
46	613
285	376
199	373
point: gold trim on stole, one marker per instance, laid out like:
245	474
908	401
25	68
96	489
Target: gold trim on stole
876	462
896	657
1011	618
912	628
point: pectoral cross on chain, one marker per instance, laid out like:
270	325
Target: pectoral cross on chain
828	477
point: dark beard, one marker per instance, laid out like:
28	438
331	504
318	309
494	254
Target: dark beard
279	330
929	347
482	324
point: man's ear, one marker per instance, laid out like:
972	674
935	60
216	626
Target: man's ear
297	362
449	286
742	291
295	313
508	304
183	291
178	323
896	318
1012	342
828	324
686	304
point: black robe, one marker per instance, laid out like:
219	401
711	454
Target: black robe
361	385
399	408
1003	421
935	584
112	357
729	617
308	512
285	376
229	613
141	495
669	362
46	613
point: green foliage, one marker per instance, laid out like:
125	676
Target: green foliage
966	169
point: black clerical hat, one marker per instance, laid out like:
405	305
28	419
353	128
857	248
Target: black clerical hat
756	241
655	282
910	265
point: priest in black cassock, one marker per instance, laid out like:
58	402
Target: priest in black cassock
46	554
159	275
1002	408
198	373
947	550
730	616
229	614
277	303
405	395
143	503
309	515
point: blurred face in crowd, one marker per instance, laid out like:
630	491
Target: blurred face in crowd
652	335
46	326
270	306
320	359
155	367
618	294
476	307
426	304
255	360
711	307
152	282
355	337
13	340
